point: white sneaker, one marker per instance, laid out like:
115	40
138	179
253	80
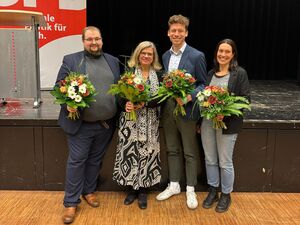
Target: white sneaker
168	192
191	199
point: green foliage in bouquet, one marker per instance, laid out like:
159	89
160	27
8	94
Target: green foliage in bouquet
176	84
132	88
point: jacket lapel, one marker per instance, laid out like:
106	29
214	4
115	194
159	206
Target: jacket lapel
184	58
166	60
232	81
113	67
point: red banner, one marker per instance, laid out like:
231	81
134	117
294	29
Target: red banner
61	19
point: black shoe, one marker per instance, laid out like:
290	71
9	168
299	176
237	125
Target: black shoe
132	195
224	203
211	198
142	199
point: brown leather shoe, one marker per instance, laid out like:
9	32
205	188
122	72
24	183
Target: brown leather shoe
69	215
91	199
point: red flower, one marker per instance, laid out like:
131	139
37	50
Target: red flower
140	87
63	82
192	80
169	83
212	99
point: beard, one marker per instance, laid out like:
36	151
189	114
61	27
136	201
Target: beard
93	52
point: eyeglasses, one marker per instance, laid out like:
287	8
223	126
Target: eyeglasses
93	39
146	54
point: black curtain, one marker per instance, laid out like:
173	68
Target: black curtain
265	31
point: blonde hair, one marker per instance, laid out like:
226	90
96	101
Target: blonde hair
84	30
134	58
179	19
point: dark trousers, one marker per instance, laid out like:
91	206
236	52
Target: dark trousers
180	137
86	151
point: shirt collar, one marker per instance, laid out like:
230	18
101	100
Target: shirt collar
181	50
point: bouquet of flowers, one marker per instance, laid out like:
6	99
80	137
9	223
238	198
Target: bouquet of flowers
132	88
176	84
76	91
216	102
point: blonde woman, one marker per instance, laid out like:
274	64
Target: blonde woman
137	163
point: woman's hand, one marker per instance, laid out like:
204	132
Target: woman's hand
139	106
129	107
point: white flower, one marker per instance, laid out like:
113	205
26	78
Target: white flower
74	83
82	88
71	94
188	75
78	98
200	98
137	80
71	89
207	92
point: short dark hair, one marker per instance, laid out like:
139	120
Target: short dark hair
84	30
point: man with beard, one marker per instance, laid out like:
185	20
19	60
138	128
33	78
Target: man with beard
89	136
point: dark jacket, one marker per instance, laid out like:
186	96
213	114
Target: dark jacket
76	62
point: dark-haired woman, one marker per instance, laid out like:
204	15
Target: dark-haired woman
218	144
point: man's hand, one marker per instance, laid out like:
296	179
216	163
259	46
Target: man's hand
71	110
183	101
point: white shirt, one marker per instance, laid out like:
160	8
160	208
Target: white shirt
175	58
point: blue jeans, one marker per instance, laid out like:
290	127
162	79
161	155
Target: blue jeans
218	150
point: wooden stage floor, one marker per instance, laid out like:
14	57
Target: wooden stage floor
40	208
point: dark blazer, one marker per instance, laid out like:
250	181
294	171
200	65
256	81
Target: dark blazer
238	84
76	62
193	62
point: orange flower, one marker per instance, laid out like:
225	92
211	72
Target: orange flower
63	89
192	80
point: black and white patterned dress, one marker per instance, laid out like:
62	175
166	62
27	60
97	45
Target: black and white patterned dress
137	162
